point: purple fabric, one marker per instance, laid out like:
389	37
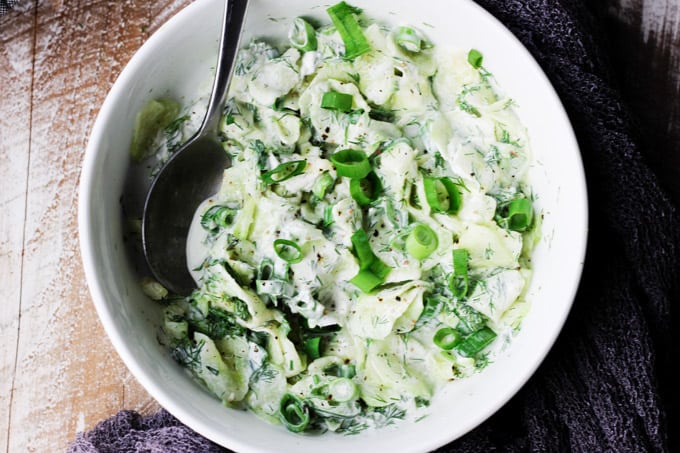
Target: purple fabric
605	386
127	431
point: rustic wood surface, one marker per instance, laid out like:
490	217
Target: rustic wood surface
59	373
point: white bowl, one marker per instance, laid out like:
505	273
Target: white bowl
177	60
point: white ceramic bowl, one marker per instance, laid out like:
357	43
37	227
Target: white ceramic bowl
176	60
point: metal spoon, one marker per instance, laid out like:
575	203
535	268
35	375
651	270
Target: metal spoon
192	174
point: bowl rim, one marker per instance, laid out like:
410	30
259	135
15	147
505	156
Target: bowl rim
139	370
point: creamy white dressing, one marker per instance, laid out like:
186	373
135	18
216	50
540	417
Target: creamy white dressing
429	114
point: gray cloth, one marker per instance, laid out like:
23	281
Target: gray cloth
127	431
6	5
605	386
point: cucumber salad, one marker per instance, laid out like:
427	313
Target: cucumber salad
371	241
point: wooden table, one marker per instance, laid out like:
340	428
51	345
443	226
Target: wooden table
59	373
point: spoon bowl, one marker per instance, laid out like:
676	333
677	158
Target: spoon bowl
188	178
192	174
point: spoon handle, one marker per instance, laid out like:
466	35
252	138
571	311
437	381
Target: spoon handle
234	15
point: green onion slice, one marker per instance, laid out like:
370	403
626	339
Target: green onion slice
408	39
351	163
431	308
343	390
459	283
333	100
380	114
379	269
294	413
312	347
475	58
266	270
302	35
447	338
217	217
347	371
421	242
365	190
520	214
366	280
372	271
442	195
328	216
288	251
476	342
322	184
284	171
350	31
362	249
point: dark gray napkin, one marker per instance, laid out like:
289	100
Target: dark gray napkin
605	386
6	5
129	432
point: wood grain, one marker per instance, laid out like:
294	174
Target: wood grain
16	53
64	370
58	371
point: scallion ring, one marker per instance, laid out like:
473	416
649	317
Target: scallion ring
459	283
475	58
351	163
421	242
442	195
362	249
284	171
372	271
312	347
476	342
302	35
365	190
447	338
343	390
408	39
379	269
322	184
328	216
349	29
366	280
520	214
217	217
266	270
347	371
294	413
333	100
288	251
